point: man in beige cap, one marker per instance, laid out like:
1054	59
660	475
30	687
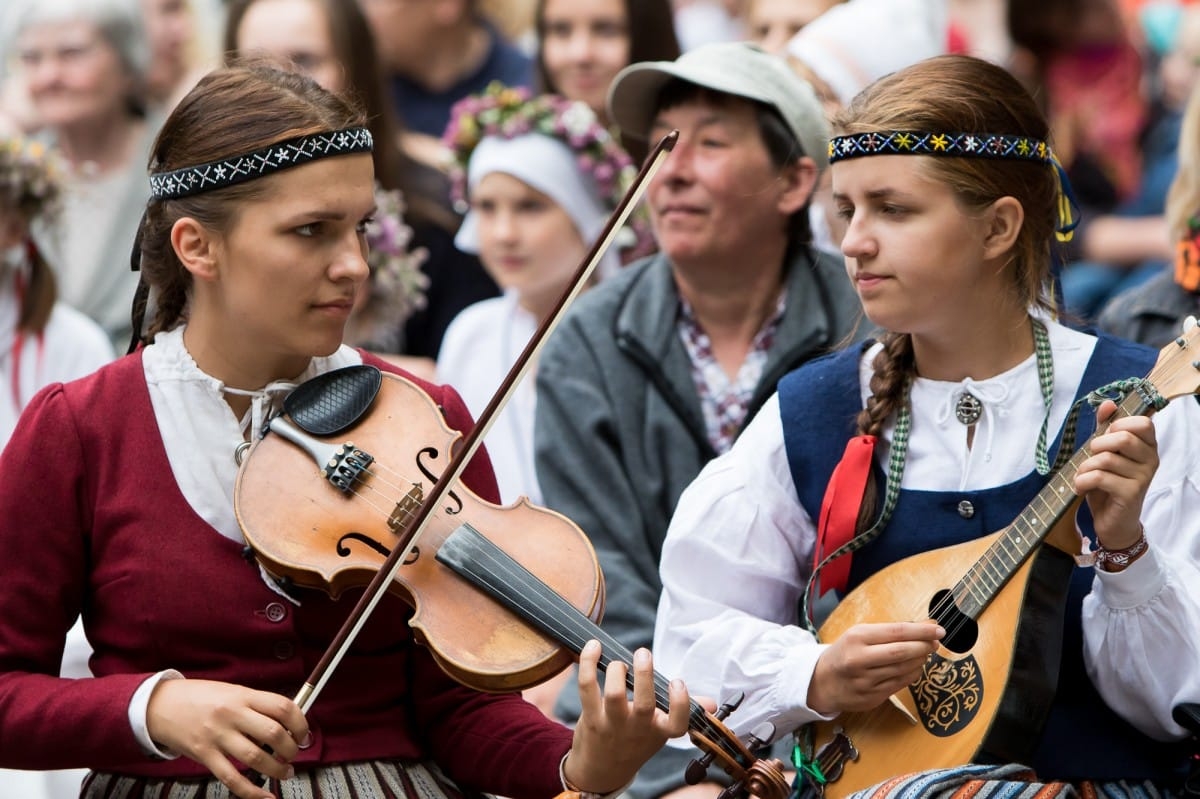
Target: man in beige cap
656	370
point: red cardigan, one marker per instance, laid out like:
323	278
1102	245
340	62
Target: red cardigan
92	521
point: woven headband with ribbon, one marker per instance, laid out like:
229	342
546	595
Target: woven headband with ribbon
191	180
964	145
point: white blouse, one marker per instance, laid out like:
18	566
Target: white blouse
478	350
739	551
199	430
71	346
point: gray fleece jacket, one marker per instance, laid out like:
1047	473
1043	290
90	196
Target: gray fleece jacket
619	431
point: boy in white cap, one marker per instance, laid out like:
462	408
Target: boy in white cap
656	370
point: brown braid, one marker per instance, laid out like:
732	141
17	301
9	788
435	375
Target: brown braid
40	294
894	368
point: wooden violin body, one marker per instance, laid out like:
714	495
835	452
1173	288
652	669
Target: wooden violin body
504	597
314	535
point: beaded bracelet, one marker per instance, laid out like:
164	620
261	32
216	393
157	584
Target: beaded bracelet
1116	560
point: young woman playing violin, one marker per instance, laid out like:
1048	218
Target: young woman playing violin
117	503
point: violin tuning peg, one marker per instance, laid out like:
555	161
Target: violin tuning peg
697	770
729	706
761	735
734	791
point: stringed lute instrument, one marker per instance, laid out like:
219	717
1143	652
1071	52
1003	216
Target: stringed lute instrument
997	597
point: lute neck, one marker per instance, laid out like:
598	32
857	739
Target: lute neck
988	575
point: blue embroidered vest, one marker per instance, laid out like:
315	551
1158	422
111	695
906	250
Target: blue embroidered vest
1082	738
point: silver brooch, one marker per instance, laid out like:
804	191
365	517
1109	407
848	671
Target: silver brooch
968	409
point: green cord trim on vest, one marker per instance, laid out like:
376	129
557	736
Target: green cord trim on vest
899	454
1045	369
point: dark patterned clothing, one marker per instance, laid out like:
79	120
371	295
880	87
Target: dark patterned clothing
726	402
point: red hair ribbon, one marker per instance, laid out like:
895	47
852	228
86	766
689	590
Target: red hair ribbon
839	512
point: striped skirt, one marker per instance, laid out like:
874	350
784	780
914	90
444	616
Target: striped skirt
367	780
1009	781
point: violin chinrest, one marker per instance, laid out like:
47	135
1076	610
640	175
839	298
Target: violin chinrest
334	401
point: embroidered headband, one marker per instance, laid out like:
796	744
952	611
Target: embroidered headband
908	142
273	158
964	145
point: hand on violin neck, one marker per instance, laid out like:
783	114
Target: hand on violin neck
215	723
616	735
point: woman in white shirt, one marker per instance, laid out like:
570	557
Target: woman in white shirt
541	177
42	341
940	433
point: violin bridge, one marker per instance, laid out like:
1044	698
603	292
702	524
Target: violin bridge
406	509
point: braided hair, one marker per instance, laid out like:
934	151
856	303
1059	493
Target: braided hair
958	94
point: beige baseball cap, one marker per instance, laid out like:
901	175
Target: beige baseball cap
741	69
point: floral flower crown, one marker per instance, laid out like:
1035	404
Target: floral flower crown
508	113
31	177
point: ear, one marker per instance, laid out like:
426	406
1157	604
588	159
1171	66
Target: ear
1005	218
799	180
197	248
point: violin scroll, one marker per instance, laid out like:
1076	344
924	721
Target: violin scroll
753	776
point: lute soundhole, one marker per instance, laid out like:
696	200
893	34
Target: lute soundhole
949	692
961	630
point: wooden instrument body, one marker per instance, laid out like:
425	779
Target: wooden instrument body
319	537
985	693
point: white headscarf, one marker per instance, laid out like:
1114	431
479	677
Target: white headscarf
854	44
547	165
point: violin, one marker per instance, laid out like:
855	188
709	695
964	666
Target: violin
504	597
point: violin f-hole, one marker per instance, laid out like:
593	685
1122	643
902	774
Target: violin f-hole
432	452
344	551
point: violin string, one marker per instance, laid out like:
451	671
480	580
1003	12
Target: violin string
576	636
573	629
378	486
565	622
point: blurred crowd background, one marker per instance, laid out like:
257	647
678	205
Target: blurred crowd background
85	84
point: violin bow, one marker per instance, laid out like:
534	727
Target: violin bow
382	581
